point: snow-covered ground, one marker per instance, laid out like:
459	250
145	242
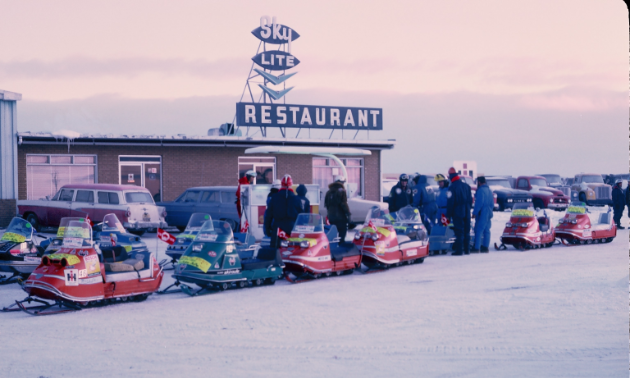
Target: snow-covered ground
553	312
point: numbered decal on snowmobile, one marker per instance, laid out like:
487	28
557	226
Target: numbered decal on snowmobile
229	248
207	237
412	252
587	233
82	273
303	228
71	277
92	264
72	242
12	237
197	262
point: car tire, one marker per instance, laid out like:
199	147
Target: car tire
32	219
136	232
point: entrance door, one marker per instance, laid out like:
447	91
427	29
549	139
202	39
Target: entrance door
144	171
152	180
131	174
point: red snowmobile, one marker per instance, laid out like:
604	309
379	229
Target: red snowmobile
79	276
576	227
382	246
526	231
310	253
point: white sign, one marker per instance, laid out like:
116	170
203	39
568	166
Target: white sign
71	276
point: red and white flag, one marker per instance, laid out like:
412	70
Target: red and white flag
244	224
444	220
113	237
281	234
327	222
372	226
87	219
166	237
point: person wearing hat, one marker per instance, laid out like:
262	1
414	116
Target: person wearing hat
301	195
336	203
424	201
442	197
482	212
459	204
628	198
275	187
619	203
249	178
282	211
400	195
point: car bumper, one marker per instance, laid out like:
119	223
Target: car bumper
558	206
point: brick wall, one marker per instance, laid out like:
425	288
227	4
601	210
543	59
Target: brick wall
185	167
7	211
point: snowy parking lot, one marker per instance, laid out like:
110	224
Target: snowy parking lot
554	312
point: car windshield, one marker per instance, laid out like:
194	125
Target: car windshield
77	234
523	210
431	181
499	182
215	231
196	221
378	217
595	179
112	224
19	230
408	214
537	182
576	208
309	223
468	180
552	179
136	197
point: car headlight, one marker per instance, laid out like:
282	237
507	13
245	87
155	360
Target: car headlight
508	224
509	200
304	244
375	237
357	236
574	221
284	243
529	200
524	225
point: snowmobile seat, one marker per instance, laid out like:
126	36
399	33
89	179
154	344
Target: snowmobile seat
128	265
543	223
604	218
114	254
266	257
344	250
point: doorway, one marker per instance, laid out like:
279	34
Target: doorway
143	171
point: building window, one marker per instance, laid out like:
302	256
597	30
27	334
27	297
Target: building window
144	171
45	174
324	171
265	168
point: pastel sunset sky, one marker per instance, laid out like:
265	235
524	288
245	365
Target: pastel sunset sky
521	87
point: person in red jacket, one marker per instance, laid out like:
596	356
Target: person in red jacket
247	179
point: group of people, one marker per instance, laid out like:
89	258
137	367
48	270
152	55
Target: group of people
284	205
452	204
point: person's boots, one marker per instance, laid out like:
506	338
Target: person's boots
484	249
457	253
474	250
620	227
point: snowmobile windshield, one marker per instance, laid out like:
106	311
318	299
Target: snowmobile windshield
408	214
309	223
215	231
499	182
18	231
138	197
64	223
576	208
196	221
112	224
523	210
593	179
77	234
378	217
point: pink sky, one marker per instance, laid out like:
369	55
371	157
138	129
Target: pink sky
565	57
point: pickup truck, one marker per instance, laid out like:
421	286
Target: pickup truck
543	196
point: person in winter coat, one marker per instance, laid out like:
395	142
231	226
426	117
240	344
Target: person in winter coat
619	203
482	212
442	198
336	202
282	211
275	187
458	209
424	200
247	179
301	195
628	198
400	195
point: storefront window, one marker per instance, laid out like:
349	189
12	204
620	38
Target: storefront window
45	174
265	168
324	171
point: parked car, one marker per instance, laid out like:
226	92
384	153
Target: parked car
555	181
133	205
543	196
506	197
217	201
591	189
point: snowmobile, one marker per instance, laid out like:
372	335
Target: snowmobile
184	239
214	263
576	227
527	231
78	276
382	247
309	253
19	254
